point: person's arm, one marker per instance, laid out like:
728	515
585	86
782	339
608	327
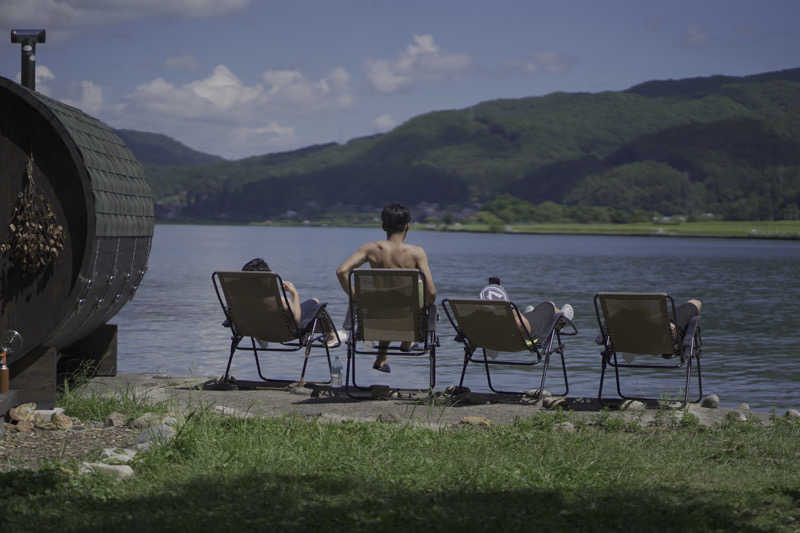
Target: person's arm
352	262
294	300
430	287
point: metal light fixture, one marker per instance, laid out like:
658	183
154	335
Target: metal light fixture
28	40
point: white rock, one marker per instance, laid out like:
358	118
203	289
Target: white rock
145	421
46	415
230	411
118	455
567	427
331	418
744	406
115	471
160	433
740	416
480	421
793	413
632	405
711	401
116	419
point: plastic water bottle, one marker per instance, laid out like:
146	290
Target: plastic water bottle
493	291
336	372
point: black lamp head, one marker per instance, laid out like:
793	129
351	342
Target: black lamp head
27	36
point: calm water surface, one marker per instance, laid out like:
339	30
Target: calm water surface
751	313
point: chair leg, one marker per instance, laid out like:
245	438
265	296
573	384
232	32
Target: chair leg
467	354
488	374
308	350
544	372
686	385
258	363
432	379
564	369
234	343
616	374
350	363
603	365
699	379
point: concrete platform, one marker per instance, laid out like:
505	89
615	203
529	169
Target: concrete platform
184	394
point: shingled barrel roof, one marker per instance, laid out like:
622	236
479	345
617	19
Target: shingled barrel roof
123	199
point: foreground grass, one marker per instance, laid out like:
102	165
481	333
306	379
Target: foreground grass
782	229
290	474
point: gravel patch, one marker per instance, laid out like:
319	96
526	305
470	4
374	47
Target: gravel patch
30	449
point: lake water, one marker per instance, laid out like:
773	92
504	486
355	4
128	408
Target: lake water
750	290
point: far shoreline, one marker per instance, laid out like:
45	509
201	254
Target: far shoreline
758	230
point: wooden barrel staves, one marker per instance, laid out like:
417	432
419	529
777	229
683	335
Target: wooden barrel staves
76	222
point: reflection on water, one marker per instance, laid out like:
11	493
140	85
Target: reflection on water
751	312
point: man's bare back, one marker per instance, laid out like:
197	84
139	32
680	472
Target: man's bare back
390	253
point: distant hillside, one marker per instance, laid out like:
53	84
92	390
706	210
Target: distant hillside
721	144
160	150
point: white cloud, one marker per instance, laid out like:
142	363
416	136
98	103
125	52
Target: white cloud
185	62
384	122
262	139
695	37
64	16
220	94
550	62
232	116
43	75
422	59
292	87
91	99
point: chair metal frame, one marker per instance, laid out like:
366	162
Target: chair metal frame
542	350
690	345
428	334
307	337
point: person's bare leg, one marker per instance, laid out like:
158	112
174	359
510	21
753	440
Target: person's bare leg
685	313
381	358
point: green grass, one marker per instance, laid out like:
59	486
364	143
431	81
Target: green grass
783	229
290	474
91	405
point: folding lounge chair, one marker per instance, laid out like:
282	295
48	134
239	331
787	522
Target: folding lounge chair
387	305
641	324
492	325
253	308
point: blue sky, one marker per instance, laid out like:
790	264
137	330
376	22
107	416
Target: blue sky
247	77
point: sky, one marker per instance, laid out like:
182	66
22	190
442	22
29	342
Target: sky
238	78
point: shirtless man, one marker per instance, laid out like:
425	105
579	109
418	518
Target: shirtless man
392	252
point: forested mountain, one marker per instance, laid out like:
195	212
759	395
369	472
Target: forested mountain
722	144
160	150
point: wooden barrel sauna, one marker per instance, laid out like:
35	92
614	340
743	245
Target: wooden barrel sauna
86	213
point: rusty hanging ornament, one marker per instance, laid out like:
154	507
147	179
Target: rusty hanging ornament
35	238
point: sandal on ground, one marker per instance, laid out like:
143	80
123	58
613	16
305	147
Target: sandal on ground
382	368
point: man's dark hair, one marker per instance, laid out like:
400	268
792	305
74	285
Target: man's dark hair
257	264
395	217
494	280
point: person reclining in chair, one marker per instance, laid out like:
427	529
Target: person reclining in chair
300	311
392	252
